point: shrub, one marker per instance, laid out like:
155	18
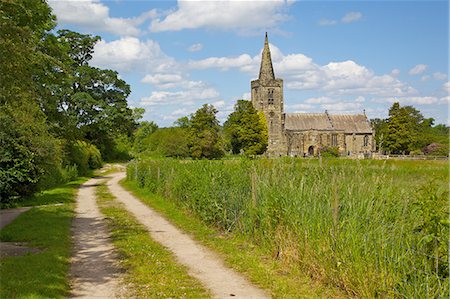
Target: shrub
329	151
84	155
28	153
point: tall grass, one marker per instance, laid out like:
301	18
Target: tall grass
364	226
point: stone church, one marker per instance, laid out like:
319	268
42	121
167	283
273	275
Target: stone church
305	134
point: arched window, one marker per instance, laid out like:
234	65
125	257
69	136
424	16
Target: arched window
270	97
366	140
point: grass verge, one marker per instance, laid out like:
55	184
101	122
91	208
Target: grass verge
44	274
151	269
281	279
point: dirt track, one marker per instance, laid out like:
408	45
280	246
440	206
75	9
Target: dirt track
202	263
93	270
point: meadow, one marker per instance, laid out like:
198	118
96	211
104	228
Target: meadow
371	228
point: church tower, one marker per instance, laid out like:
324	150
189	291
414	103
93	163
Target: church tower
267	96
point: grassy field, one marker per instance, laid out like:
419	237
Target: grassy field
43	274
151	270
370	228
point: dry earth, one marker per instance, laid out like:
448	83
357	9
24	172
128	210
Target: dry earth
94	271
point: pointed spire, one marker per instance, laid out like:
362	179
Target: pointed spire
266	71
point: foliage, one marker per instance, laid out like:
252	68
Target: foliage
329	151
85	156
205	140
144	130
27	151
433	226
406	130
167	142
436	149
352	224
246	130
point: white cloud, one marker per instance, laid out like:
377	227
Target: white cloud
343	106
360	99
245	16
445	100
130	54
320	100
395	72
425	78
93	15
440	76
327	22
170	81
351	17
301	73
418	69
183	97
223	63
195	47
446	86
246	96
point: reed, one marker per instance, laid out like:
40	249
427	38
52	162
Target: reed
355	224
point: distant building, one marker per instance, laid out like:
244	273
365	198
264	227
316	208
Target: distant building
304	134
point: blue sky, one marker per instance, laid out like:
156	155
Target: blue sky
340	56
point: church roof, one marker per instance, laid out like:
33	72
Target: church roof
354	123
266	72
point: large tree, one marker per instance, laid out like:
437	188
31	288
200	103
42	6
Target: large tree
205	140
28	152
246	130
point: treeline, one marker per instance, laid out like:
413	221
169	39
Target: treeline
406	131
200	136
59	116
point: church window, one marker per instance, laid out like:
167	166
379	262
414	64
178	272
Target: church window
270	97
334	140
366	140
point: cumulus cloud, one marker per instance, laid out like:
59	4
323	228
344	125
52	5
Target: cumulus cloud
446	86
395	72
351	17
418	69
183	97
439	76
300	72
170	81
245	16
130	53
93	15
195	47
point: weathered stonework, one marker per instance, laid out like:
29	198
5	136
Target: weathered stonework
304	134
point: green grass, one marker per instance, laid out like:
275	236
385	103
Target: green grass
150	269
370	228
279	278
44	274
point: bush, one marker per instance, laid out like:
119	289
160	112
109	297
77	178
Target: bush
28	153
85	156
436	149
329	151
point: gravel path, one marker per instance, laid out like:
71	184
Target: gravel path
201	262
93	271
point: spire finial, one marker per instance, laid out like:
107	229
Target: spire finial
266	70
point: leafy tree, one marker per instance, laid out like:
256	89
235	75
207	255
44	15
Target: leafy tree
403	125
183	122
381	132
144	130
167	142
246	130
205	140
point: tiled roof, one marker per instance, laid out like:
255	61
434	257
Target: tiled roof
355	123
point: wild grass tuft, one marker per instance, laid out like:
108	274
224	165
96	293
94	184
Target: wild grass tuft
353	224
